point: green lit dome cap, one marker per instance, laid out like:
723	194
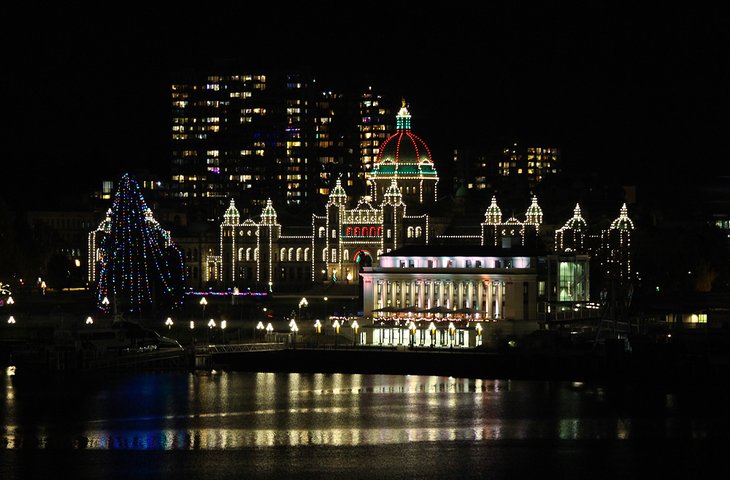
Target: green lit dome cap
338	194
494	214
623	222
231	216
393	194
268	215
577	222
534	213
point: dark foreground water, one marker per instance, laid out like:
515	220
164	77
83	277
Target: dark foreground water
349	426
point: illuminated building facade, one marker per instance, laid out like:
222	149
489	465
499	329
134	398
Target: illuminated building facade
532	163
450	285
480	169
257	136
260	253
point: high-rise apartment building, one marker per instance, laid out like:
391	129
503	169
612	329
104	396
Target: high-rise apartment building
532	163
257	136
483	168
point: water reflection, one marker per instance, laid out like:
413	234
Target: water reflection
228	411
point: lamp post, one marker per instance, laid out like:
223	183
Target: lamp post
224	324
89	321
192	331
318	329
260	328
11	320
211	324
10	303
168	322
294	330
355	329
336	326
203	303
269	330
325	308
412	328
478	328
432	329
302	303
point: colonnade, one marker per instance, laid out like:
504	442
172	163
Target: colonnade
487	297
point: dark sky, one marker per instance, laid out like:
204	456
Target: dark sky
622	90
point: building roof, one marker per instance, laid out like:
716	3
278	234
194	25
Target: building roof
464	251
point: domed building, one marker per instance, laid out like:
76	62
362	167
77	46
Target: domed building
404	158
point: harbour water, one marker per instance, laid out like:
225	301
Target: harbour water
300	425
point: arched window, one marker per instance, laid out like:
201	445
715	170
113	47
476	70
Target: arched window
321	232
380	231
419	231
290	256
248	254
306	254
373	231
348	231
282	255
240	254
324	254
379	252
409	232
389	233
334	233
364	231
357	231
299	254
256	254
346	254
334	255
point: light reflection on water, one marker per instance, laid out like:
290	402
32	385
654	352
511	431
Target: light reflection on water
242	410
221	439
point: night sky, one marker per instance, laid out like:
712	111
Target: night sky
623	91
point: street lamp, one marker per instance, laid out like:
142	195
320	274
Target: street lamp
336	326
302	303
192	331
412	328
325	308
11	320
318	329
211	324
168	322
294	330
260	328
432	329
11	301
203	303
89	321
269	329
224	324
355	329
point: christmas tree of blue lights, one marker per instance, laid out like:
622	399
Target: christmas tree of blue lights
140	266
